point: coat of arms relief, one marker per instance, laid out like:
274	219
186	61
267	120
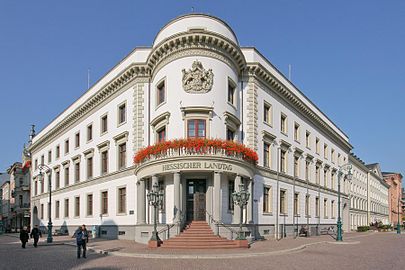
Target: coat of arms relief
197	80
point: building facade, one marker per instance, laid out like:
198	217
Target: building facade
394	180
5	206
368	195
186	99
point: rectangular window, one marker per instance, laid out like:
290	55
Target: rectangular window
160	93
77	206
57	180
122	113
317	148
267	115
231	93
266	155
196	128
332	155
267	199
42	160
36	188
296	166
332	180
325	208
57	209
318	174
66	208
161	134
338	159
104	124
332	209
122	199
77	172
325	151
104	162
231	189
283	161
89	204
122	155
283	202
36	164
42	211
308	139
283	121
49	156
57	152
89	132
42	185
296	204
77	140
307	207
325	178
317	206
67	146
66	176
89	167
296	132
230	134
104	202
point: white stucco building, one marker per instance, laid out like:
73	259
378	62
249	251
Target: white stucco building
368	194
194	82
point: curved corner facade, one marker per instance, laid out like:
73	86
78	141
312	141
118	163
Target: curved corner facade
195	82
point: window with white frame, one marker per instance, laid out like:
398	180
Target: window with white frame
267	199
267	113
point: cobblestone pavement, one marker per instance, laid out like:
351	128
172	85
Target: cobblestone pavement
359	251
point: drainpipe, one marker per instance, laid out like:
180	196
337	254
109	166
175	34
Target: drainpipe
241	110
149	108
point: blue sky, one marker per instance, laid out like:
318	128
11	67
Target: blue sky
348	57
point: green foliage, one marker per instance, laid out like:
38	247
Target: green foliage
363	228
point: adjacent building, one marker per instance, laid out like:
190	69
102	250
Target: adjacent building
5	206
191	99
394	180
368	195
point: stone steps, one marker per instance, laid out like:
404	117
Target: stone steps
198	235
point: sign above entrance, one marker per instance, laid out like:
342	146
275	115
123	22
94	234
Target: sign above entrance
195	165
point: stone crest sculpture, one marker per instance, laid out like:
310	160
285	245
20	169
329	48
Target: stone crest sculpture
197	80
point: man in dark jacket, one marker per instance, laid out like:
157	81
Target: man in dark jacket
24	236
81	238
36	234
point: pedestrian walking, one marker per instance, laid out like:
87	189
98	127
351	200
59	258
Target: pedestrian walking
24	236
36	234
82	237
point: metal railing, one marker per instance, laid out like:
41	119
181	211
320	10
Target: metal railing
187	152
218	224
179	222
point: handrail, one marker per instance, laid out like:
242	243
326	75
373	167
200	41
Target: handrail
216	222
180	214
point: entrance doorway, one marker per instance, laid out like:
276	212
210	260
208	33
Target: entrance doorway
196	190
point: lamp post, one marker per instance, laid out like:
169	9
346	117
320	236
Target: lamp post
241	198
344	170
1	211
155	198
398	224
43	168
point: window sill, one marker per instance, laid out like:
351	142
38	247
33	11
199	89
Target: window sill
103	133
283	214
268	214
232	105
89	216
122	123
121	214
160	105
284	133
89	141
297	141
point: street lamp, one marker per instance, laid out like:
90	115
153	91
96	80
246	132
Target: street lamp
241	198
398	224
1	211
43	168
155	198
345	169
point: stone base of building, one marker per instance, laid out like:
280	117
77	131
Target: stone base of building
154	243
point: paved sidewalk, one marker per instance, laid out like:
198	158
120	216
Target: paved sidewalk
128	248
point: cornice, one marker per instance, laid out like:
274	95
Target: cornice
110	88
201	42
259	71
